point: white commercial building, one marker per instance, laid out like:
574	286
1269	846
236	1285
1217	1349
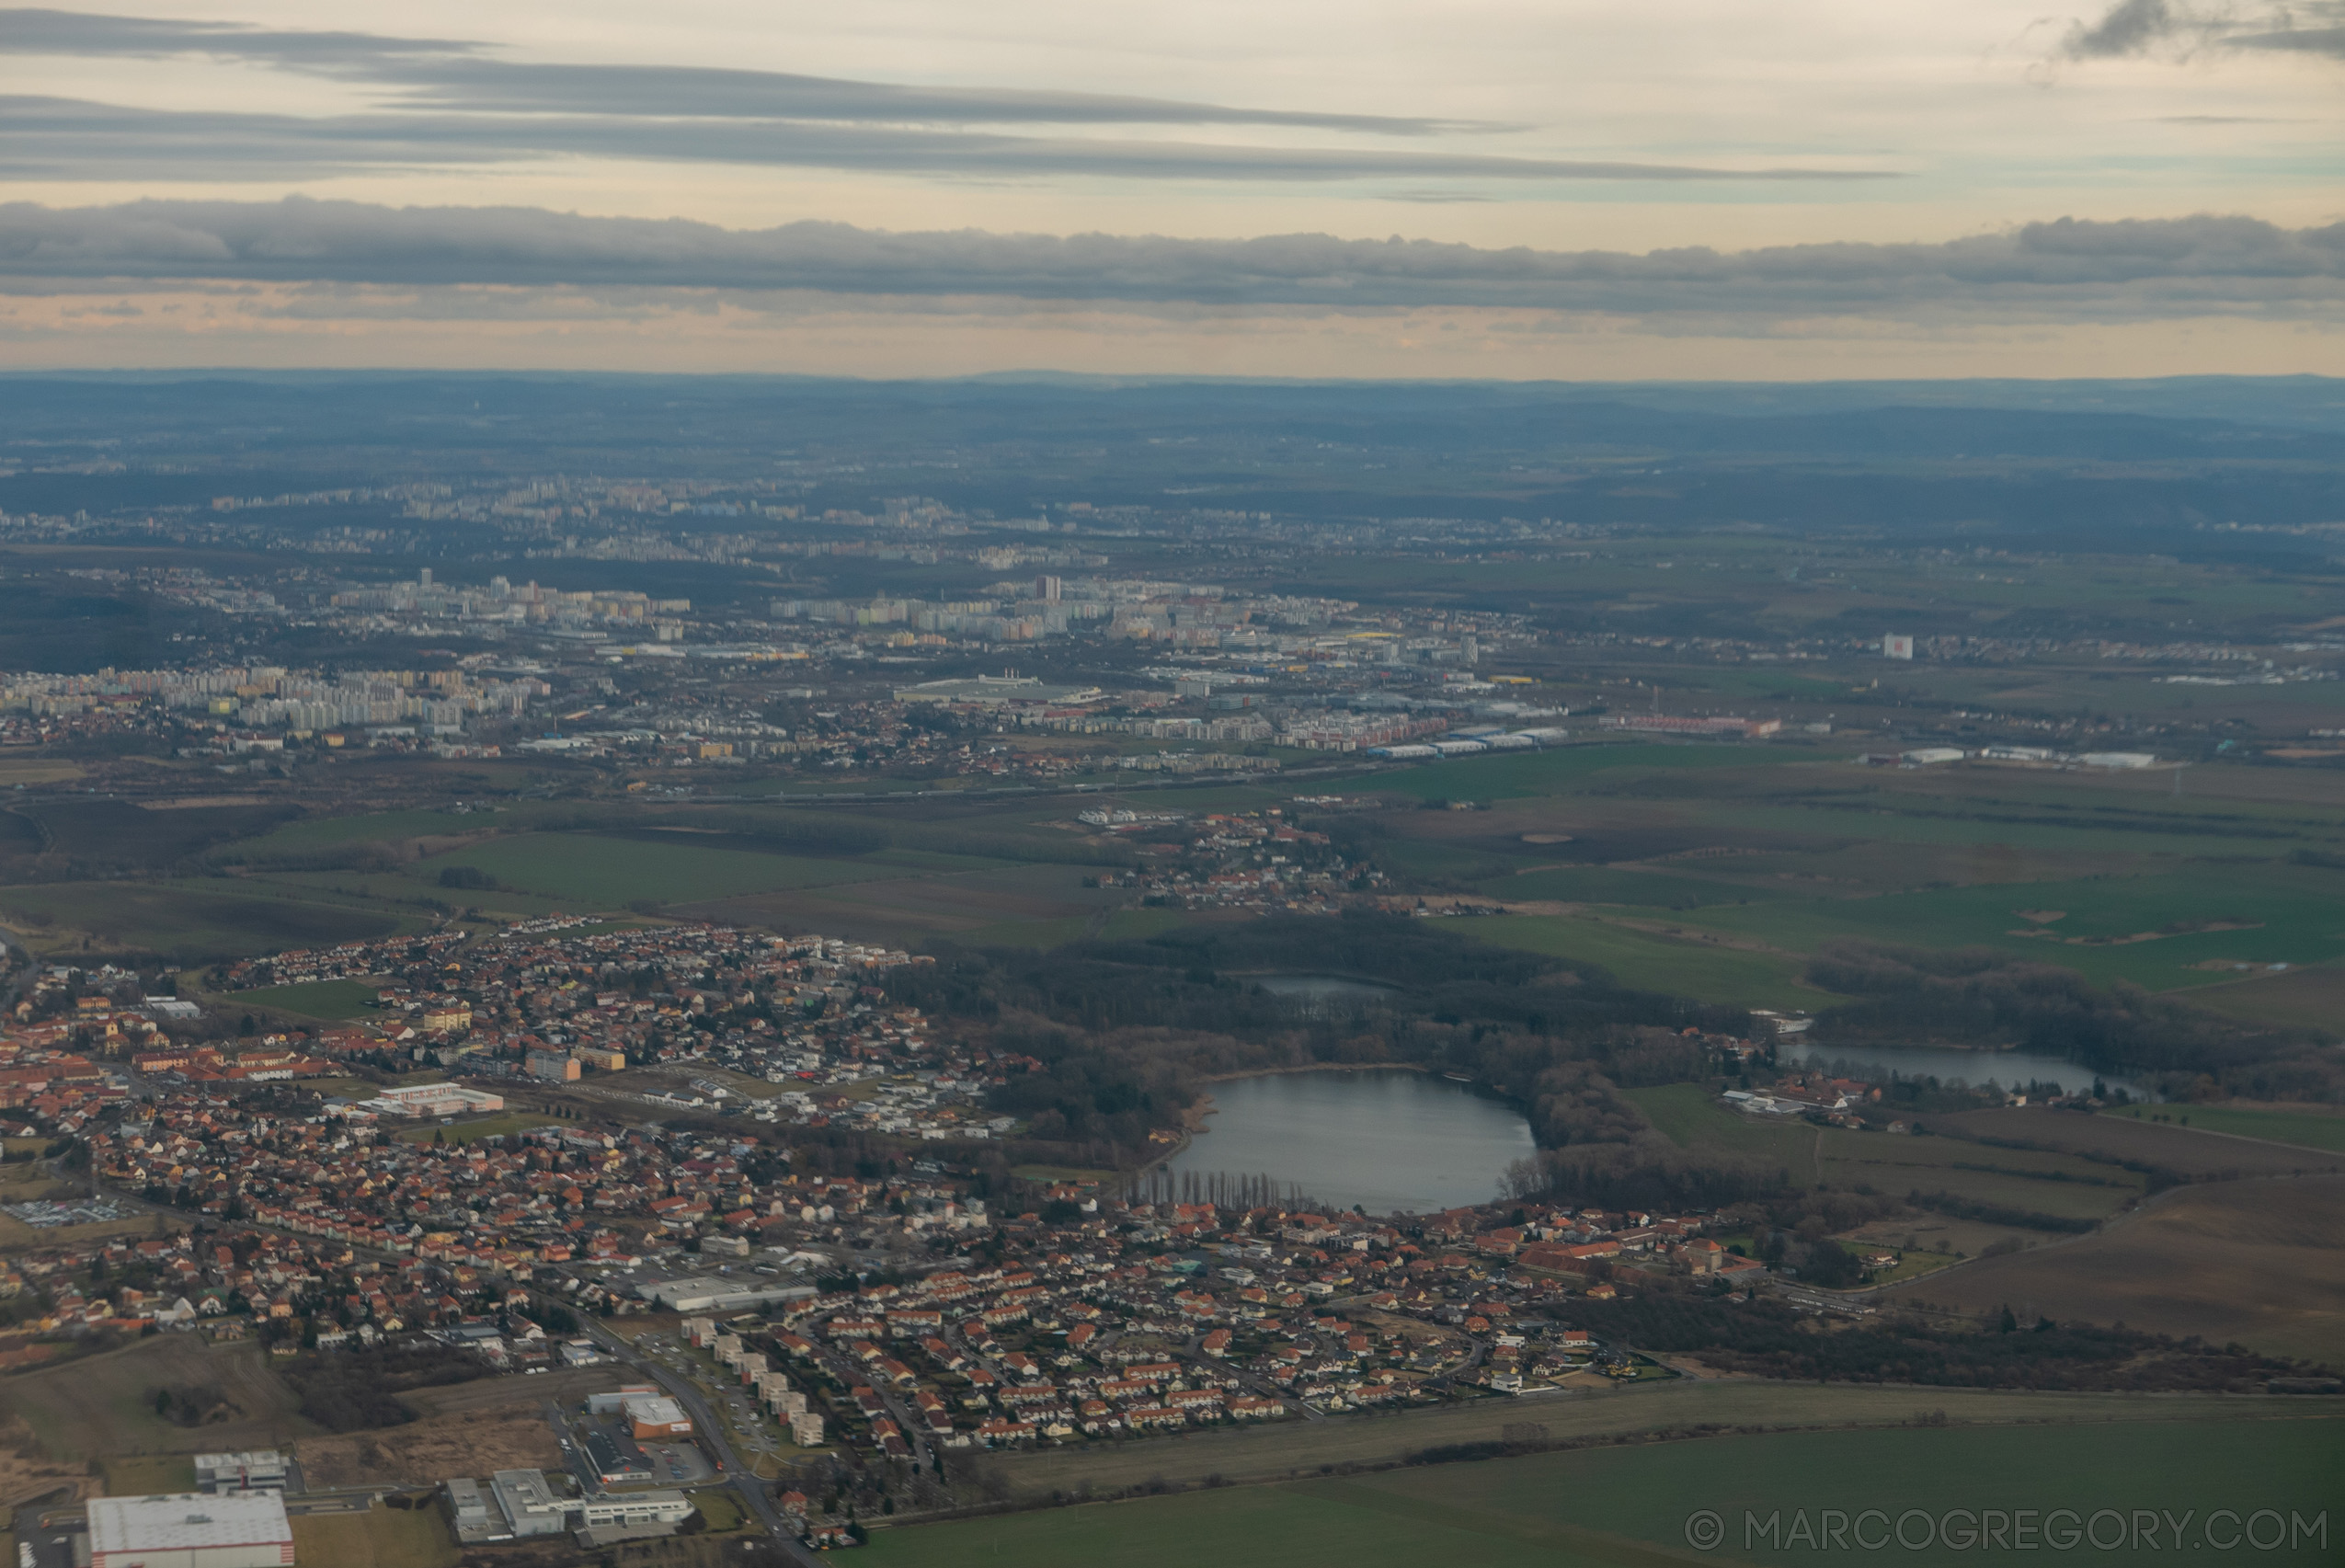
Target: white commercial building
259	1469
188	1529
434	1100
533	1507
705	1293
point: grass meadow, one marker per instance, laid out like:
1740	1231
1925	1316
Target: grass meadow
594	872
2311	1127
1699	964
1630	1507
187	923
333	1001
377	1538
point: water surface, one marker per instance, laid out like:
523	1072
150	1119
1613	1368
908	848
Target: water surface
1386	1140
2011	1070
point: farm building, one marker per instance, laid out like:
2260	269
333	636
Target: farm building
188	1529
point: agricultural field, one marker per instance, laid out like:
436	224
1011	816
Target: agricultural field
2306	1127
1630	1507
2059	1186
1288	1450
2187	1150
2062	1186
1714	871
595	872
312	834
2260	1262
995	903
2306	996
2160	931
1707	965
187	923
1532	773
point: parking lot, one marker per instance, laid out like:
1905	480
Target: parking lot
754	1430
596	1447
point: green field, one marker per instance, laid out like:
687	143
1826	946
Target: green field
2309	1129
593	872
183	921
137	1474
2029	1182
379	1537
335	1000
1513	774
1631	1506
1689	1115
331	832
501	1126
1693	966
720	1507
2296	916
1609	884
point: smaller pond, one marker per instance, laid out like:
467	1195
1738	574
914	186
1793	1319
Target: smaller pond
1386	1140
2012	1070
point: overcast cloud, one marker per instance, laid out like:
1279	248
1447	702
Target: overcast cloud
2186	267
1040	182
2133	28
458	75
43	138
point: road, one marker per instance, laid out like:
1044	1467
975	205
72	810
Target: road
710	1431
853	1376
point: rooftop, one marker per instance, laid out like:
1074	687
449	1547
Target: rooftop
185	1521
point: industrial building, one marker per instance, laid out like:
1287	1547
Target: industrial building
611	1467
260	1470
533	1507
188	1530
529	1504
613	1401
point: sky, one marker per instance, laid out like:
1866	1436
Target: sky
1693	189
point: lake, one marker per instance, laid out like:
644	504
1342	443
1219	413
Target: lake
2012	1070
1386	1140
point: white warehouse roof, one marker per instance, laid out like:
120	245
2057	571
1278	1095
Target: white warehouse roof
187	1521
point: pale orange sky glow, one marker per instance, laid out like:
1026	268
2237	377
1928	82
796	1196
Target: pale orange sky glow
1812	189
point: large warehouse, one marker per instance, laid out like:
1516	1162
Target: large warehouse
188	1529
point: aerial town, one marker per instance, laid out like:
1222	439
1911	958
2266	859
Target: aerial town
872	986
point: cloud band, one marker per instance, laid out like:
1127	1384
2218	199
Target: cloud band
2138	270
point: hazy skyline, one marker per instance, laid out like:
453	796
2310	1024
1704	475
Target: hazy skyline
1720	191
